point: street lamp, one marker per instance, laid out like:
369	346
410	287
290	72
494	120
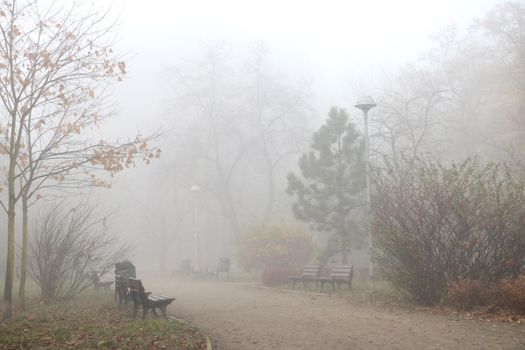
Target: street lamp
365	103
195	190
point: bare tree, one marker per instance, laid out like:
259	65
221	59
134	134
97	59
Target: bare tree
218	141
279	114
246	121
56	62
408	110
67	246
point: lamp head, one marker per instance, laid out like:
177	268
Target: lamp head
365	103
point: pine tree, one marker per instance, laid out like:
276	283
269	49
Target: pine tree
332	182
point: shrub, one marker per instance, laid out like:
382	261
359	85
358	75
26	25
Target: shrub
467	294
278	244
511	294
67	246
507	295
435	225
275	276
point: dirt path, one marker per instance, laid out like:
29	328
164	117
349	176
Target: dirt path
248	316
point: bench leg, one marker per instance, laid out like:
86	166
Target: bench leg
163	310
154	312
144	312
135	309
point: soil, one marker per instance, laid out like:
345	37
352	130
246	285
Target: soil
250	316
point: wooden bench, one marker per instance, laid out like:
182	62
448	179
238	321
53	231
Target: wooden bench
122	290
147	301
98	284
340	274
185	268
223	266
204	273
310	274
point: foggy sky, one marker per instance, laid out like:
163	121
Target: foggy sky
338	45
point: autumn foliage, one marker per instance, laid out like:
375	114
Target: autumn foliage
506	295
277	244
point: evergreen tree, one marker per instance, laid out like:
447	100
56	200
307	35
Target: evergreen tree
332	182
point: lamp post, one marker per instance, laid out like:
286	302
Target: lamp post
195	190
365	103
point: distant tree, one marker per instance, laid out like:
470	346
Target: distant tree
243	123
216	144
329	192
406	114
279	117
447	102
504	26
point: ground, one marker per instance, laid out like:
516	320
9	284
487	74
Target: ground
93	321
250	316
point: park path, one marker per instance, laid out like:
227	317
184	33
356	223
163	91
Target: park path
241	316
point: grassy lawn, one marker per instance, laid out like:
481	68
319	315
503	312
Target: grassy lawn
381	291
92	321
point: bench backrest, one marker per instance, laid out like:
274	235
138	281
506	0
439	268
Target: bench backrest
136	290
343	272
185	266
121	287
121	283
223	265
94	277
311	271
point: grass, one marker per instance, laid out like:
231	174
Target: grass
361	290
223	277
92	321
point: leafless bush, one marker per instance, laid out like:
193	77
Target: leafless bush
67	245
435	225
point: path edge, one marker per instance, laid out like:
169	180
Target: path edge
208	341
294	291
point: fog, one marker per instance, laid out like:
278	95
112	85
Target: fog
311	57
224	154
331	54
337	46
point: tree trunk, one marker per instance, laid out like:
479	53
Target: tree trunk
23	262
10	265
162	257
231	213
344	250
270	191
344	255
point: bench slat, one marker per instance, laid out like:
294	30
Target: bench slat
146	299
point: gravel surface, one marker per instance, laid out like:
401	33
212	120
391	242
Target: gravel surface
249	316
